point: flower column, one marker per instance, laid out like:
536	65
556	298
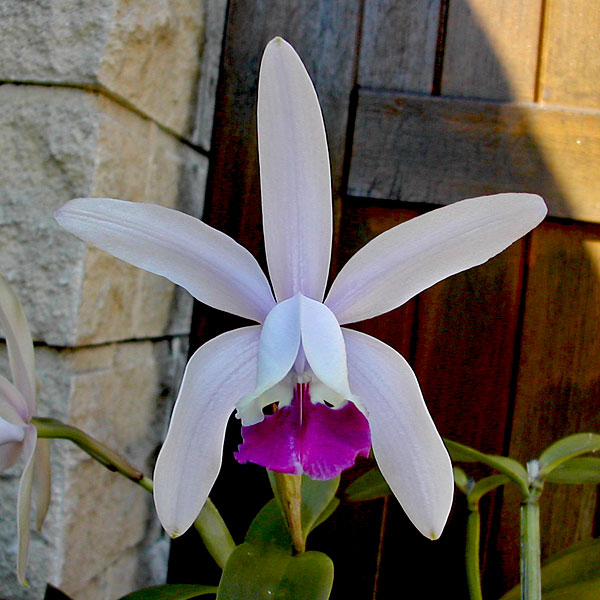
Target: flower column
129	81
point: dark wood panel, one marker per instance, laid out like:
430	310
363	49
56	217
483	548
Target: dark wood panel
558	391
398	44
424	149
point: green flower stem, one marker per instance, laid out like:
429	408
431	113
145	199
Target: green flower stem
472	552
209	523
290	492
531	579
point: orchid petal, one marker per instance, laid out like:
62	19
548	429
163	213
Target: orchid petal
279	344
219	373
406	444
41	480
20	346
24	503
409	258
210	265
10	433
13	407
294	175
324	346
9	454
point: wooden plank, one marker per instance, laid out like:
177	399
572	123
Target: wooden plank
570	67
558	389
398	44
419	149
492	49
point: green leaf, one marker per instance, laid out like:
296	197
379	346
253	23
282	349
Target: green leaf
461	480
329	510
266	572
269	527
584	469
486	485
369	486
317	497
565	449
171	591
507	466
573	574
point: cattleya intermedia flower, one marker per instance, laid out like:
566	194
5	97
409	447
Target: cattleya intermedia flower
336	389
18	436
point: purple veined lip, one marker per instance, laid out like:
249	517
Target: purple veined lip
308	438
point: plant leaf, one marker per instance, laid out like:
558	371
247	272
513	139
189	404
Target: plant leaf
485	485
369	486
269	527
265	572
171	591
565	449
585	469
573	574
317	497
507	466
461	480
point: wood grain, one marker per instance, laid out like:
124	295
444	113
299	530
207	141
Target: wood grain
419	149
558	388
492	49
398	44
570	64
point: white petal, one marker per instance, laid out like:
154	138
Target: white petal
41	480
24	503
210	265
9	433
409	258
219	373
294	175
324	346
279	344
406	444
20	346
13	407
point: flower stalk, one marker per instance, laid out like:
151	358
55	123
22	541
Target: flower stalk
472	551
209	523
289	488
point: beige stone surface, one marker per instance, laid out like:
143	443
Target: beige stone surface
101	531
146	52
60	144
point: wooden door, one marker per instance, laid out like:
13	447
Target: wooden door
427	102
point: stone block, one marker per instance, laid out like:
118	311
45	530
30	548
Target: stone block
145	52
61	143
101	529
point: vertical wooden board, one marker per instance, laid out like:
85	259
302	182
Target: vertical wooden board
325	36
465	350
492	49
398	44
558	388
570	63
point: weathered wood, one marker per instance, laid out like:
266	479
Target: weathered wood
491	49
419	149
570	67
558	388
398	44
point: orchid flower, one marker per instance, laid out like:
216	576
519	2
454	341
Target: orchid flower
337	391
17	434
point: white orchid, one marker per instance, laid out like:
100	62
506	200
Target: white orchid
336	388
18	436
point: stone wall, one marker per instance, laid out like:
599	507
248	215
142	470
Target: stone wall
99	98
